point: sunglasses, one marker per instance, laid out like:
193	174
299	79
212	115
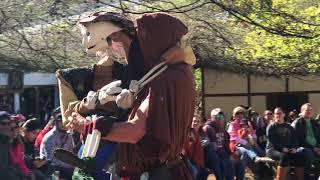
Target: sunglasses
269	114
219	117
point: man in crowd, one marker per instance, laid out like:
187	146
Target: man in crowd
308	136
217	152
57	138
7	171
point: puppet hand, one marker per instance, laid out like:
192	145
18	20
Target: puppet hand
108	92
112	84
91	100
125	99
103	99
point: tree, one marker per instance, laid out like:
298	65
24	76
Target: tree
251	36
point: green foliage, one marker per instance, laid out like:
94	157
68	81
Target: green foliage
198	79
278	36
289	54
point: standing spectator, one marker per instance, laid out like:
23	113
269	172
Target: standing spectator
282	146
7	169
308	136
30	131
217	152
57	138
16	148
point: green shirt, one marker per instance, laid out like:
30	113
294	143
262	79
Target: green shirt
311	140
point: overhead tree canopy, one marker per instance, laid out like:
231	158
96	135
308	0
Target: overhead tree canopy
250	36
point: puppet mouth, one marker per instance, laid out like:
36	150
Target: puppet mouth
91	47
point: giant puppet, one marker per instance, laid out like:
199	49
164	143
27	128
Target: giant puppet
163	96
79	87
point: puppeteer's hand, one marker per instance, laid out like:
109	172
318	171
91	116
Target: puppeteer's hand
77	122
108	92
90	101
103	125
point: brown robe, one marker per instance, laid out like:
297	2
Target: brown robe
171	102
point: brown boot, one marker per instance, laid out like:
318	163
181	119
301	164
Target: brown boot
282	173
299	173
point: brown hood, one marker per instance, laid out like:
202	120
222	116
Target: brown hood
157	32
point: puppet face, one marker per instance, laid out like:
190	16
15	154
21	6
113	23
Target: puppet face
94	35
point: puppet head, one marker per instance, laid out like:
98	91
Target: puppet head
97	28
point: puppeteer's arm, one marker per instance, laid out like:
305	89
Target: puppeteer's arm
133	130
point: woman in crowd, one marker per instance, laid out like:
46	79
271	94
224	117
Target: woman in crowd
281	146
261	133
16	148
237	144
193	149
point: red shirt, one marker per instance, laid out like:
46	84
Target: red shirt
194	151
40	137
16	158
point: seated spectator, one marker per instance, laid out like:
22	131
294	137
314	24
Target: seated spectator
30	130
238	144
194	152
217	152
247	137
245	133
293	115
58	137
42	133
7	170
282	146
19	118
267	116
254	116
16	148
261	133
308	136
193	149
46	129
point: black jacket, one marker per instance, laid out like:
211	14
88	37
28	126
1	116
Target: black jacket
280	136
299	125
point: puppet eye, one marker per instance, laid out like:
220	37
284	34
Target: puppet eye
109	41
88	33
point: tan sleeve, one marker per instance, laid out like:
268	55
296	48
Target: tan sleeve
76	106
66	95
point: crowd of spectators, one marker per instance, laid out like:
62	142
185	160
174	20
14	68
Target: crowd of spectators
289	142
